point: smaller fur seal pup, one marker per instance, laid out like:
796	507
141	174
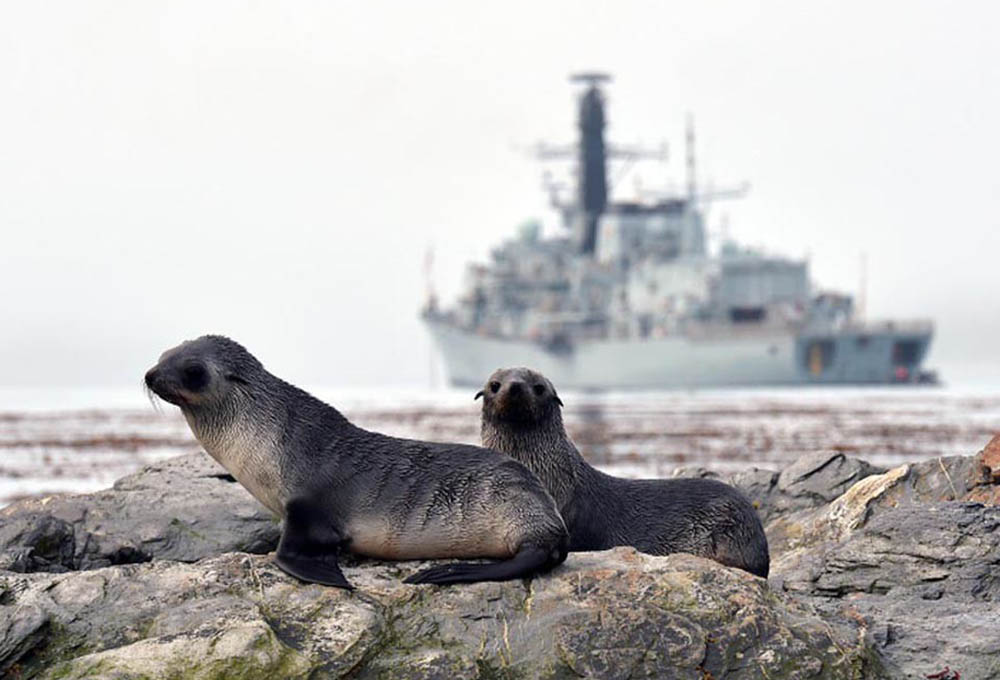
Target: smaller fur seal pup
339	487
521	417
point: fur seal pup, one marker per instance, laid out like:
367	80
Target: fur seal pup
521	417
339	487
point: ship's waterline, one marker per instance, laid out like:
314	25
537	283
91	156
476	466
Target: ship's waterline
748	359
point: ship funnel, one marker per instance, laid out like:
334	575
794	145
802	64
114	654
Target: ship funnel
592	161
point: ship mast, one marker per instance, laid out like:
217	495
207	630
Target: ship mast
592	154
592	161
692	177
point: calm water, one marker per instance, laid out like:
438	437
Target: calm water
82	440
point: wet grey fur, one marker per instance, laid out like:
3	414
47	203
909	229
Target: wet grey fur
339	486
521	417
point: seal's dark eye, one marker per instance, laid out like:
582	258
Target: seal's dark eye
494	387
538	389
194	377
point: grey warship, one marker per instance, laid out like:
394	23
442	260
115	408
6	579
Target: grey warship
628	296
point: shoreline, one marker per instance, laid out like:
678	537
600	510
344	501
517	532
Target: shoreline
650	434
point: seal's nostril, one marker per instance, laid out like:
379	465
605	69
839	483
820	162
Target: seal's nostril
516	388
151	376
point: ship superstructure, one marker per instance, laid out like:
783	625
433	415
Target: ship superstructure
628	296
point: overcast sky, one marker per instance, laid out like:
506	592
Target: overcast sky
276	171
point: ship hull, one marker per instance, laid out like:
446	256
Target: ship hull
856	356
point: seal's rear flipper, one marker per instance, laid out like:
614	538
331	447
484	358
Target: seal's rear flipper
309	546
528	561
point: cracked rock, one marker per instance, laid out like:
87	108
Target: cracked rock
181	509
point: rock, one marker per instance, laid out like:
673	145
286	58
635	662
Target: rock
942	549
989	457
830	522
185	508
761	487
951	478
875	573
903	553
961	478
614	614
811	481
820	477
922	577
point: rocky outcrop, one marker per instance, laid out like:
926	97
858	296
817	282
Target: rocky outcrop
182	509
811	481
913	556
616	614
875	573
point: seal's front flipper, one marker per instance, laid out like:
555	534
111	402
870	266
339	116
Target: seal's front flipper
323	570
309	546
528	561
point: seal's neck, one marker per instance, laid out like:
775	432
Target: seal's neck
243	441
264	433
545	450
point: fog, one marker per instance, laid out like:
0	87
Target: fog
277	172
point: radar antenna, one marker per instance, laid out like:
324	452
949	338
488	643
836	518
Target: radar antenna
590	78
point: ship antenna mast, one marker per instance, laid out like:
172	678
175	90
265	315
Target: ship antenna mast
592	160
861	310
592	155
692	178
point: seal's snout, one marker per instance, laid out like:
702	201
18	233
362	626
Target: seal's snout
514	403
516	387
516	397
157	384
158	381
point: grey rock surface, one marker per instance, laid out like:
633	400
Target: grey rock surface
924	580
918	571
811	481
185	508
947	550
615	614
875	573
820	477
911	555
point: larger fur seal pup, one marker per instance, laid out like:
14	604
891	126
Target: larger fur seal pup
521	417
338	486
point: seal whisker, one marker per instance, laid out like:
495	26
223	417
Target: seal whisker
153	399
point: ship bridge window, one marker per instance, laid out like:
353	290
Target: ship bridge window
906	352
747	314
819	356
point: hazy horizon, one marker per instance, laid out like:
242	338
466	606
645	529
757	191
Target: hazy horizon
277	172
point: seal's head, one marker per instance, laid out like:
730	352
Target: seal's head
520	397
201	372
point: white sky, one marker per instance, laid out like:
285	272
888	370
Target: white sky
275	171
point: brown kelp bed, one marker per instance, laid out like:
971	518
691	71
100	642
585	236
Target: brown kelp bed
642	434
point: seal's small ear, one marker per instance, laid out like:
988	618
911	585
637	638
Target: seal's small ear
478	394
558	400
